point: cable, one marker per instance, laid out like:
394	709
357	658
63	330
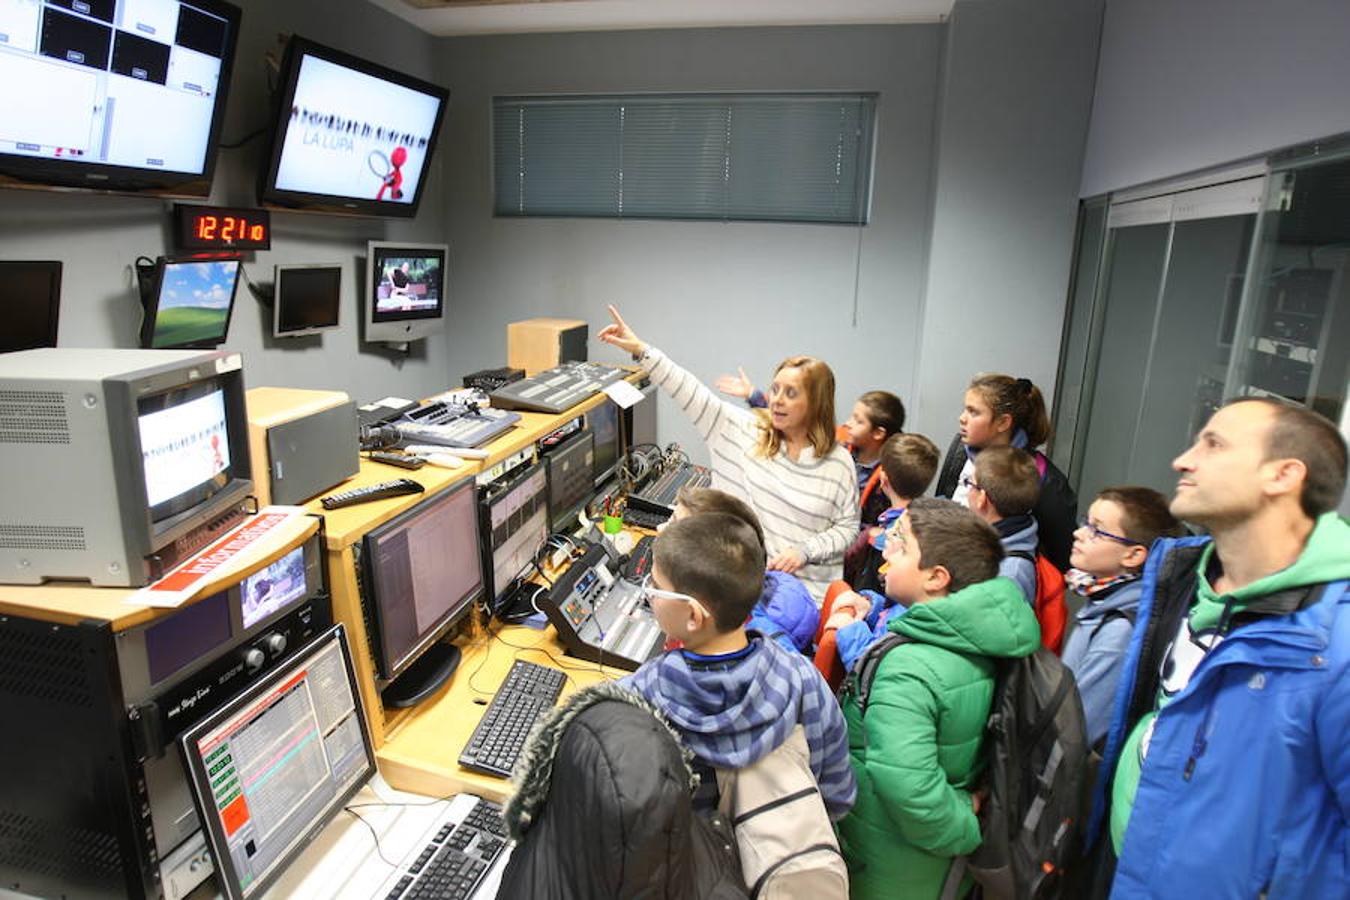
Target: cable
235	145
375	835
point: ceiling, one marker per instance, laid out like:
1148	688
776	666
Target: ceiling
463	17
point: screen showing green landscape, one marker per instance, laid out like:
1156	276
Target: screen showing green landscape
194	302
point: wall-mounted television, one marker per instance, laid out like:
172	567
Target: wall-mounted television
114	95
30	304
307	300
351	136
405	290
189	303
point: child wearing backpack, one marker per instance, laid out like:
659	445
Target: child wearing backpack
733	698
1003	490
1110	548
917	745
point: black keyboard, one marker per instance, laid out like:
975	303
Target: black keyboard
645	518
528	692
659	496
639	563
455	861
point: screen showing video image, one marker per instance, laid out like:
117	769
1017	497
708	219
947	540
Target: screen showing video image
274	588
193	307
408	284
355	135
184	446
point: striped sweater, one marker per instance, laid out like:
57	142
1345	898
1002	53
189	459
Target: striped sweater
808	504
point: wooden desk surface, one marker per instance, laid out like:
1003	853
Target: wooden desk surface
422	748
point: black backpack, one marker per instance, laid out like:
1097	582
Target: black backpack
1036	776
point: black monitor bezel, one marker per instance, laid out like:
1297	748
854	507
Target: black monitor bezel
601	477
386	668
558	518
197	777
18	171
152	302
488	496
271	195
53	268
336	307
377	251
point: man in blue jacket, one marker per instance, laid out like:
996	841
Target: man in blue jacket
1228	761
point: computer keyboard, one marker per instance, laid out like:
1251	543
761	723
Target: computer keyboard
645	518
456	859
558	389
528	692
660	495
452	425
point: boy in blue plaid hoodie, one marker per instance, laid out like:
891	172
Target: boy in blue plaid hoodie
733	695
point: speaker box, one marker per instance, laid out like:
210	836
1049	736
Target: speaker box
302	442
538	344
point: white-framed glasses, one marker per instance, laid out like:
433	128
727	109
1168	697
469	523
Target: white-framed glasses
649	592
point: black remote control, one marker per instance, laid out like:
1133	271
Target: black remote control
402	460
395	488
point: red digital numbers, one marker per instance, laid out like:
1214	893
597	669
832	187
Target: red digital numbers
206	228
202	228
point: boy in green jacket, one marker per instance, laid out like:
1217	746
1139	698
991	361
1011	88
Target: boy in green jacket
918	750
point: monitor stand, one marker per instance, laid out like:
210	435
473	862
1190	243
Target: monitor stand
420	680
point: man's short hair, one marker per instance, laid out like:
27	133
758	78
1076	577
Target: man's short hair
1144	513
705	500
910	461
1299	433
1009	478
951	536
717	558
884	411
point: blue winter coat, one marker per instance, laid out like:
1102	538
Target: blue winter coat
1246	790
1095	649
1018	534
786	612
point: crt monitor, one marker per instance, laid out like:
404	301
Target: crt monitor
422	574
30	301
271	767
606	422
117	459
515	525
405	290
189	303
306	300
117	95
571	479
350	136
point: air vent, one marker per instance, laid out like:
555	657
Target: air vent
61	852
33	417
41	537
43	665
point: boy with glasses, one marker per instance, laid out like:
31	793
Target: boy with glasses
733	698
1110	548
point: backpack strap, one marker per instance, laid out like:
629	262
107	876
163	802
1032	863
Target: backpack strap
1112	614
1022	554
865	669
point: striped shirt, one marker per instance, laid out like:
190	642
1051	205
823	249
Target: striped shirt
807	504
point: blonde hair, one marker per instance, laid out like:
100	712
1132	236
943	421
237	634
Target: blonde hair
818	382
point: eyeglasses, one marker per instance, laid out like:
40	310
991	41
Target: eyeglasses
894	539
970	484
1096	533
649	592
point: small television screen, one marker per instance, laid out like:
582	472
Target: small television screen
351	136
515	525
273	588
606	422
30	299
405	290
190	303
571	479
307	300
118	95
185	447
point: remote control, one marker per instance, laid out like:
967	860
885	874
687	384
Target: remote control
395	488
397	459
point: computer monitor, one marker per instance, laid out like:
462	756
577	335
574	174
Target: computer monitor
422	573
30	301
189	303
514	520
405	290
571	479
114	95
606	422
307	300
273	766
116	460
351	136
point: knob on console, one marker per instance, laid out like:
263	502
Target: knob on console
253	660
275	644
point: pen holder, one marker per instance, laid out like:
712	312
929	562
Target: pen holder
613	524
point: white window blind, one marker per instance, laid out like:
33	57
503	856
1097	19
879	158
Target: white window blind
735	157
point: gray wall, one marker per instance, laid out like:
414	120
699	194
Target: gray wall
97	236
1188	85
1016	94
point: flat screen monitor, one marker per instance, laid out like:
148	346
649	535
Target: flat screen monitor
351	136
117	95
423	572
571	479
270	768
515	525
405	290
606	423
307	300
30	301
190	303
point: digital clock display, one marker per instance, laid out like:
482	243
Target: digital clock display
221	228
